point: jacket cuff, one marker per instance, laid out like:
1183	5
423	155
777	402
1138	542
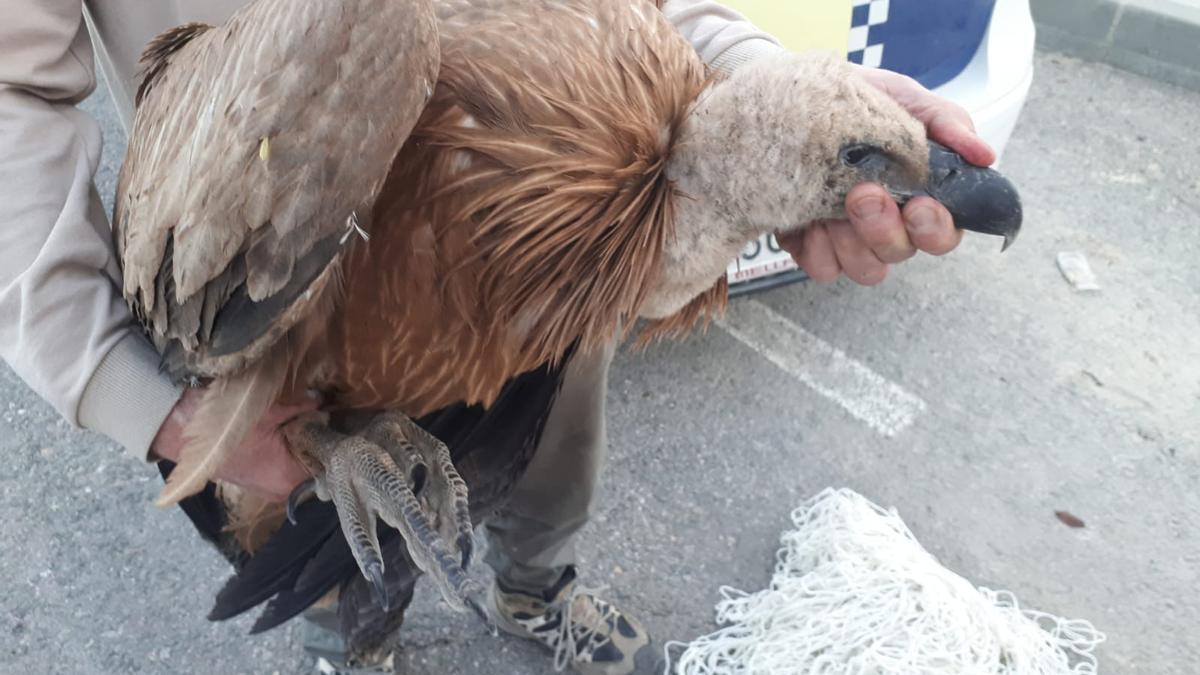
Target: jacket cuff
744	52
128	397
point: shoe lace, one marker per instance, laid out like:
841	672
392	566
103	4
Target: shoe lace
568	641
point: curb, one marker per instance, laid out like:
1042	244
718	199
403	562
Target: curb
1159	39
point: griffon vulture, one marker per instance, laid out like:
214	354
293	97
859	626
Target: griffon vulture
422	209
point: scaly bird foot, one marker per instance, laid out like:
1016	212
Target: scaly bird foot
396	471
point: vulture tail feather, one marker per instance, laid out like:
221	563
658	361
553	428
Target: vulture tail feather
332	565
229	410
276	567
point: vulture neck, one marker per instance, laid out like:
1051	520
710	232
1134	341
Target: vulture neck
722	201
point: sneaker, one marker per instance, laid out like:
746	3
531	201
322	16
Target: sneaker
583	631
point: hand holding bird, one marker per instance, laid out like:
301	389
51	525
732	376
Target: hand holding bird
262	462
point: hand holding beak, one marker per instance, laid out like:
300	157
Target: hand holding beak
878	232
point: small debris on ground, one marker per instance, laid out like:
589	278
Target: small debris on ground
1069	519
1076	270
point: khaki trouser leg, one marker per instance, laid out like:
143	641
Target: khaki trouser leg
532	540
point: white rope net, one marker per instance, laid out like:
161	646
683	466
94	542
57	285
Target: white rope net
854	593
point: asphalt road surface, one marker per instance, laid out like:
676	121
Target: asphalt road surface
1012	396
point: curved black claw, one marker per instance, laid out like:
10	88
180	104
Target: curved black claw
373	571
466	544
302	492
476	606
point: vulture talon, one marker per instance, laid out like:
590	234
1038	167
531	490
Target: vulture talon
298	496
398	472
439	488
475	602
374	574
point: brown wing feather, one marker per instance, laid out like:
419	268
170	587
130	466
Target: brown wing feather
157	55
252	148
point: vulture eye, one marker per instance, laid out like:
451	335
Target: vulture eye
858	154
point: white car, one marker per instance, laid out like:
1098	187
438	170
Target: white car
977	53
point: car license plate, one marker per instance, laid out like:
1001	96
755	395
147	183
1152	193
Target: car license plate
761	258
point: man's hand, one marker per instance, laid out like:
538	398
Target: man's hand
878	233
262	463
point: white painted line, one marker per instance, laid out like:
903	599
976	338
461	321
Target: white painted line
884	405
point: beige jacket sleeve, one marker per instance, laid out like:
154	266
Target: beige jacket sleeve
724	38
64	327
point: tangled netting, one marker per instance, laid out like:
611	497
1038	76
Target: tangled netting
854	593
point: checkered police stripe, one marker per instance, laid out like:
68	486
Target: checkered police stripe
866	45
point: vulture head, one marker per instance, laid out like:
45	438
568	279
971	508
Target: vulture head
780	143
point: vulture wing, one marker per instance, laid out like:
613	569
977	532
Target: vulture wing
257	151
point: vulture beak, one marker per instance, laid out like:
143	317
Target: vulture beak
980	199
